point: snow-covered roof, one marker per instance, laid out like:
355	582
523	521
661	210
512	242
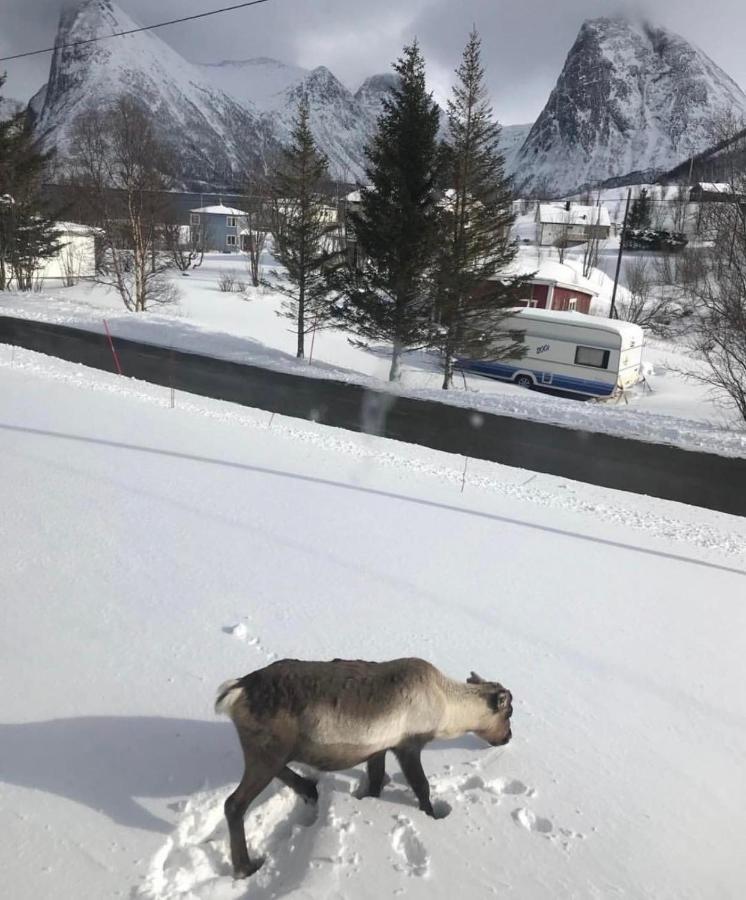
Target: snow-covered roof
715	187
550	271
77	228
549	214
219	211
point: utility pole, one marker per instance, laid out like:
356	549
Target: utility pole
612	310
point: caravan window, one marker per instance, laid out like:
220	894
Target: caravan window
591	356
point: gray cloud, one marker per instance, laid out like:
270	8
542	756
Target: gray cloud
525	44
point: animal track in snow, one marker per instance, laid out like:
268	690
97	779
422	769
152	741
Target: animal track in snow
497	787
195	859
241	632
528	819
406	842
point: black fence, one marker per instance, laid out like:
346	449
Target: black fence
700	479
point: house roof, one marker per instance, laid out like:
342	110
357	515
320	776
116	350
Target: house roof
219	211
76	228
549	271
714	187
549	214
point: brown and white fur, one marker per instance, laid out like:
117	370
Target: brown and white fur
335	715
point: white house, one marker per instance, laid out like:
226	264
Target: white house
76	258
570	222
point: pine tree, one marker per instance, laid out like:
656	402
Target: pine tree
475	221
27	234
302	233
388	296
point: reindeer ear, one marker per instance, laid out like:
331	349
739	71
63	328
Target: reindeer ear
475	679
499	700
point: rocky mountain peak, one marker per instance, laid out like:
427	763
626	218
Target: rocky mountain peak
631	97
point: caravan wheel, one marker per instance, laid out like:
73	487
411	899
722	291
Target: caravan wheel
525	381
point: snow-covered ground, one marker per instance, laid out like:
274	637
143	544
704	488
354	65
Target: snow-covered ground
245	327
148	553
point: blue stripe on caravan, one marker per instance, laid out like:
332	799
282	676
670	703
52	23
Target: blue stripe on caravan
503	372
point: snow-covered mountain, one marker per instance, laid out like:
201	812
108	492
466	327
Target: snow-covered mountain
630	98
342	123
219	118
206	127
512	138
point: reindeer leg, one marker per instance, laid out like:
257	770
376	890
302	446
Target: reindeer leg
254	781
302	786
376	774
411	766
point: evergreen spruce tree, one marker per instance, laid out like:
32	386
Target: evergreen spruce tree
302	234
639	215
475	221
27	234
387	296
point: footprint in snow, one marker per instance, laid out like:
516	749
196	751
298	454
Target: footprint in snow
408	846
528	819
241	632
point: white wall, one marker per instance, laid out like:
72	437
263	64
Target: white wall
77	258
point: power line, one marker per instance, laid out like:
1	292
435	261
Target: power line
105	37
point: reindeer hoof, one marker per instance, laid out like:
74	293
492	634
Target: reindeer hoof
247	870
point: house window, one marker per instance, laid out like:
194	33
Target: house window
572	303
590	356
195	219
231	221
231	240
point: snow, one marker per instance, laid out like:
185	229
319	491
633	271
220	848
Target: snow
149	553
246	328
551	214
220	210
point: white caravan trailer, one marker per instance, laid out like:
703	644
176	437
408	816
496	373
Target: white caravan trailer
569	351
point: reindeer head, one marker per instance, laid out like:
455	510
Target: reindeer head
495	724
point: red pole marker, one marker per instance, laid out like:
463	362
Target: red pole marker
113	349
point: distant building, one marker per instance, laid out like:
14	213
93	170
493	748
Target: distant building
218	228
571	223
714	192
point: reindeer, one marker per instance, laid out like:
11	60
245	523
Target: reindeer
336	715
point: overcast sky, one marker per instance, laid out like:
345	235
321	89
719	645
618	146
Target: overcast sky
525	41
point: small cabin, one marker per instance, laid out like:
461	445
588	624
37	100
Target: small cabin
715	192
553	285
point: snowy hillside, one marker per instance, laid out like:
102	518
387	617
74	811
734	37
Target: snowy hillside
260	82
630	99
204	125
149	553
512	138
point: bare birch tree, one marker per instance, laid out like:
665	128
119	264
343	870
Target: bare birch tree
119	167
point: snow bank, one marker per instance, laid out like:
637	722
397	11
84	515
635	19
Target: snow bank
150	553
